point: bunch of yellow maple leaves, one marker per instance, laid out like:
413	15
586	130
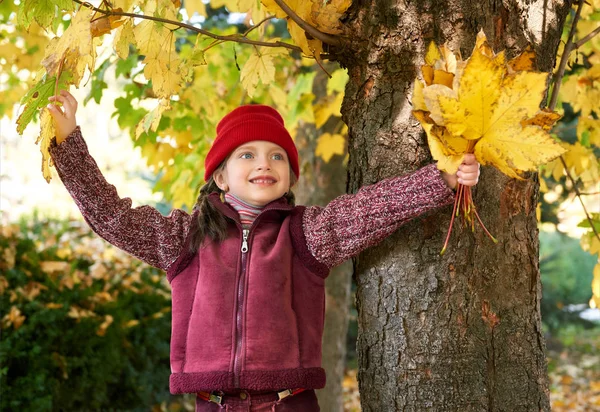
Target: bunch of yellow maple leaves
488	106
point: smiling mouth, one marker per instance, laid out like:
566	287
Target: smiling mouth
263	181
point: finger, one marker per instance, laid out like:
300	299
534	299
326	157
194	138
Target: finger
55	111
469	158
70	98
56	99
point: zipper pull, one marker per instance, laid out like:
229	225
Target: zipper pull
245	240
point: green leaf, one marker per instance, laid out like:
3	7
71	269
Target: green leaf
98	83
44	12
125	67
595	220
37	98
127	116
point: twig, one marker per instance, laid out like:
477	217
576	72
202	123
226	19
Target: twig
313	31
216	42
578	193
234	38
569	47
565	58
594	32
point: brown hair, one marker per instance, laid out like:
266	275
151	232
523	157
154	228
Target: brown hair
211	222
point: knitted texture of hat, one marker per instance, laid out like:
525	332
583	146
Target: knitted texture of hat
245	124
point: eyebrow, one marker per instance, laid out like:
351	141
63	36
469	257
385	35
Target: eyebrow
253	148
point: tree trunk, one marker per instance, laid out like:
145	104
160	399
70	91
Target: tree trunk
460	332
320	183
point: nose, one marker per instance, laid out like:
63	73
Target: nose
263	164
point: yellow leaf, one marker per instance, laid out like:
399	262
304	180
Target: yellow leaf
104	25
448	62
427	74
123	38
513	150
330	145
195	6
418	100
259	66
50	267
443	77
478	94
524	61
590	127
432	96
47	132
326	107
482	46
151	120
544	119
13	318
75	47
445	148
108	319
326	16
433	54
579	158
489	108
596	284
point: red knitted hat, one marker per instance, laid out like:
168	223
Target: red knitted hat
245	124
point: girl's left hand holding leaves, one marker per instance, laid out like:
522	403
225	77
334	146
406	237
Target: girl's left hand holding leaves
467	174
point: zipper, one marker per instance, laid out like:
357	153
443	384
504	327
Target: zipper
238	312
245	248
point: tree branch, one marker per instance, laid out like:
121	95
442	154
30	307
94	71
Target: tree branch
578	193
569	47
313	31
565	57
234	38
588	37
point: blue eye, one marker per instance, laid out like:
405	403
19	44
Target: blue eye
278	156
246	155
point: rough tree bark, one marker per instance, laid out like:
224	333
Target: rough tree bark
320	183
460	332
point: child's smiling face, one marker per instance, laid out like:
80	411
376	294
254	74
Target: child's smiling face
256	172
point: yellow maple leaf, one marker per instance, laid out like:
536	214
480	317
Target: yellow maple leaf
329	145
448	150
595	301
47	132
326	16
123	38
151	120
273	8
74	48
260	66
579	159
326	107
489	102
470	114
589	128
195	6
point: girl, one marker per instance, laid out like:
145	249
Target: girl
247	267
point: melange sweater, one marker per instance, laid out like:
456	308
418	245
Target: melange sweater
247	312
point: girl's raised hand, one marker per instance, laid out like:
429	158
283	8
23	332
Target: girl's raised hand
64	119
467	174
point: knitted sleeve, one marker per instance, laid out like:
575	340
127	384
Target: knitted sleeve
352	223
142	231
